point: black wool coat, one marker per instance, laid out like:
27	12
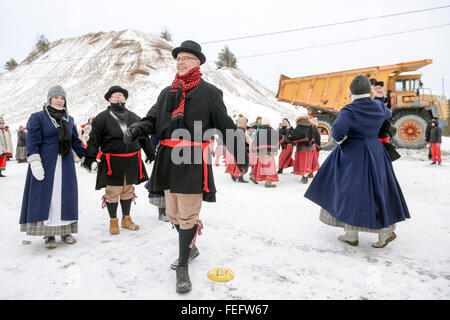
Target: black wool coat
286	132
435	135
203	104
387	130
316	136
107	136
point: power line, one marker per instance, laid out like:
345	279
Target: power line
253	36
343	42
242	57
324	25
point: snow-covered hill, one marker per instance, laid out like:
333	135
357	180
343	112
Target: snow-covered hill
87	66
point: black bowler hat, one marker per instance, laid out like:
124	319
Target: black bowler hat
379	83
114	89
191	47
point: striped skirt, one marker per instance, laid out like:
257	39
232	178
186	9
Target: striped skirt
39	229
285	160
303	162
265	169
328	219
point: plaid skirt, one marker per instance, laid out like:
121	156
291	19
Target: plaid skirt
233	169
159	202
328	219
39	229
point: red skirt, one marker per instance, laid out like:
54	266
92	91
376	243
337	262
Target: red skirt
303	162
315	161
2	163
232	169
285	160
265	169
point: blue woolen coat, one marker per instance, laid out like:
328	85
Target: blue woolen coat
356	184
43	139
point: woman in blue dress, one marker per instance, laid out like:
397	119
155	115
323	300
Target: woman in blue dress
50	198
356	186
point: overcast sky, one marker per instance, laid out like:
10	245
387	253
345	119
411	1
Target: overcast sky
23	21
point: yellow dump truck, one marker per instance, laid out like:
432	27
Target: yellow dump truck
412	105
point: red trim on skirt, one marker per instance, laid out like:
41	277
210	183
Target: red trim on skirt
265	169
303	162
315	161
285	160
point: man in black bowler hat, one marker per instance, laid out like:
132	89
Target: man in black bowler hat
190	100
121	165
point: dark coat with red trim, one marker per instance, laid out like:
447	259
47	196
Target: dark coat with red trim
286	132
303	135
316	136
107	136
204	104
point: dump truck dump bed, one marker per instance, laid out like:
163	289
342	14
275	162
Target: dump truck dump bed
331	90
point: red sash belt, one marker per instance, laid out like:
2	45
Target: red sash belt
124	155
172	143
385	140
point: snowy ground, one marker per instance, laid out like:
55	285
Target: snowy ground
271	238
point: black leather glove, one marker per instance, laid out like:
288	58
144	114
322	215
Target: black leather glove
149	159
130	135
87	164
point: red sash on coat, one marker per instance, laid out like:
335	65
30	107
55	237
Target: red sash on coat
172	143
124	155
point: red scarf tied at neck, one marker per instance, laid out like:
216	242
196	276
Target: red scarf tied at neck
178	89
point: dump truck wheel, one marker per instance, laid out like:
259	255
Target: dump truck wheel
411	127
324	127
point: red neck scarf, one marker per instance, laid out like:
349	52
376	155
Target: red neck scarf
178	89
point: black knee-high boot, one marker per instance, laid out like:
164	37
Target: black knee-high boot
183	281
185	238
192	255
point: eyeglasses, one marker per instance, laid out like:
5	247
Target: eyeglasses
185	58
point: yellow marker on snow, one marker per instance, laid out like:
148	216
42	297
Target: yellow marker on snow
220	274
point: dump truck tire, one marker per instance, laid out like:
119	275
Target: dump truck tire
411	127
325	122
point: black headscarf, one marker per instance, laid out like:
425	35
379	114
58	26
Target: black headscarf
62	119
